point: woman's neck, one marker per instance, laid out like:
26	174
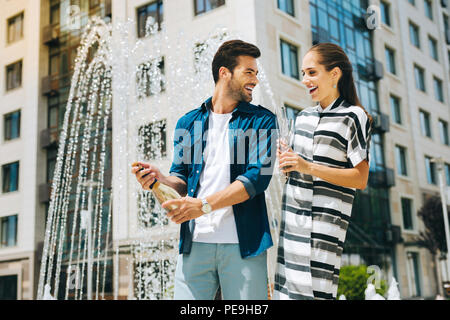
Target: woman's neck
324	103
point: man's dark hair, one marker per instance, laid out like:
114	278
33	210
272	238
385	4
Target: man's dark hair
226	56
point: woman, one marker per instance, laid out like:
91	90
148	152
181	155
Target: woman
329	162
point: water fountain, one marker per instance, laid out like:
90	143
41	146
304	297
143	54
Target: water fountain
132	83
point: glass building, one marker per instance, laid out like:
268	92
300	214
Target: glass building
370	234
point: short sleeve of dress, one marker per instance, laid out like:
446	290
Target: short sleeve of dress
359	135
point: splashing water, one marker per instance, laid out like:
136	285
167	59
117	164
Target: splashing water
153	82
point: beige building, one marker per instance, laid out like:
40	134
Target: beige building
418	112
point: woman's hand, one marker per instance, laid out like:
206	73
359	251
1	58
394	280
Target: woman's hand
291	161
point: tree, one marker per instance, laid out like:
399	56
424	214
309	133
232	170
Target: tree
433	237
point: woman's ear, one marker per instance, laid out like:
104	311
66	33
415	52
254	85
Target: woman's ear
336	73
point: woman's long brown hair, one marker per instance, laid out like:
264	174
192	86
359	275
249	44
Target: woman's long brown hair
331	56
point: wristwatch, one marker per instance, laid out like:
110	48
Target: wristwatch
206	207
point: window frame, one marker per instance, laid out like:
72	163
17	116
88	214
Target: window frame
394	112
401	160
411	213
390	60
290	46
20	75
4	166
159	13
9	24
220	3
425	125
5	220
415	35
6	135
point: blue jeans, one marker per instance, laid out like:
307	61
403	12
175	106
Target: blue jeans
199	274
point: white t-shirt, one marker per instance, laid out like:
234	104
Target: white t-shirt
219	225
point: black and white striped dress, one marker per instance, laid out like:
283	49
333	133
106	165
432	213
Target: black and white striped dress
315	214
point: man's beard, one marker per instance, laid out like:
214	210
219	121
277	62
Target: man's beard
237	92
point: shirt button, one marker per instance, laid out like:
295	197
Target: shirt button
198	171
192	190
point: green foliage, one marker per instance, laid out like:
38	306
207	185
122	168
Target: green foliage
353	282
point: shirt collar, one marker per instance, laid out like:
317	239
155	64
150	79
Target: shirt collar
336	103
241	107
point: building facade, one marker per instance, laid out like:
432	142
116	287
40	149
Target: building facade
401	67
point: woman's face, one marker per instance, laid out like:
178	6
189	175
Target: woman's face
318	81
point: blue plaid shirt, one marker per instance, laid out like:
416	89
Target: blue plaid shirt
252	139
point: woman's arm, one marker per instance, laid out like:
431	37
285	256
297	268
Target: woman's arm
351	178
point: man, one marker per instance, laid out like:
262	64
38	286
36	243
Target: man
224	154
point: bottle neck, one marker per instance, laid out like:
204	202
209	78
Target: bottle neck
154	185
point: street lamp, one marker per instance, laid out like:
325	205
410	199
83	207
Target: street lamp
440	167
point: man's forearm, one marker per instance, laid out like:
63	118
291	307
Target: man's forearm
233	194
178	184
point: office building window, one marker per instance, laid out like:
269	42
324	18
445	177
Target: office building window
152	140
150	78
12	125
287	6
15	28
202	6
425	124
14	75
415	272
289	60
395	109
385	12
419	75
414	35
8	287
443	132
390	60
8	231
438	92
10	177
154	11
430	168
428	8
400	157
407	214
432	43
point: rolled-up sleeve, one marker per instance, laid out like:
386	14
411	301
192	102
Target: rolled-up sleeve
262	158
359	139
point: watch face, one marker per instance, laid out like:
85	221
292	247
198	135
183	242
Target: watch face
206	208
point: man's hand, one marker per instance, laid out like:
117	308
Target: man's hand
147	175
187	209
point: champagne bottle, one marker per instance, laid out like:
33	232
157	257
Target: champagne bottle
161	191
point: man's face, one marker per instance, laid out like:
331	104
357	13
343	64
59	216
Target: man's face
243	79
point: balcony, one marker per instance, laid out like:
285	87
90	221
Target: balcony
382	178
394	234
44	191
50	34
50	85
49	137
